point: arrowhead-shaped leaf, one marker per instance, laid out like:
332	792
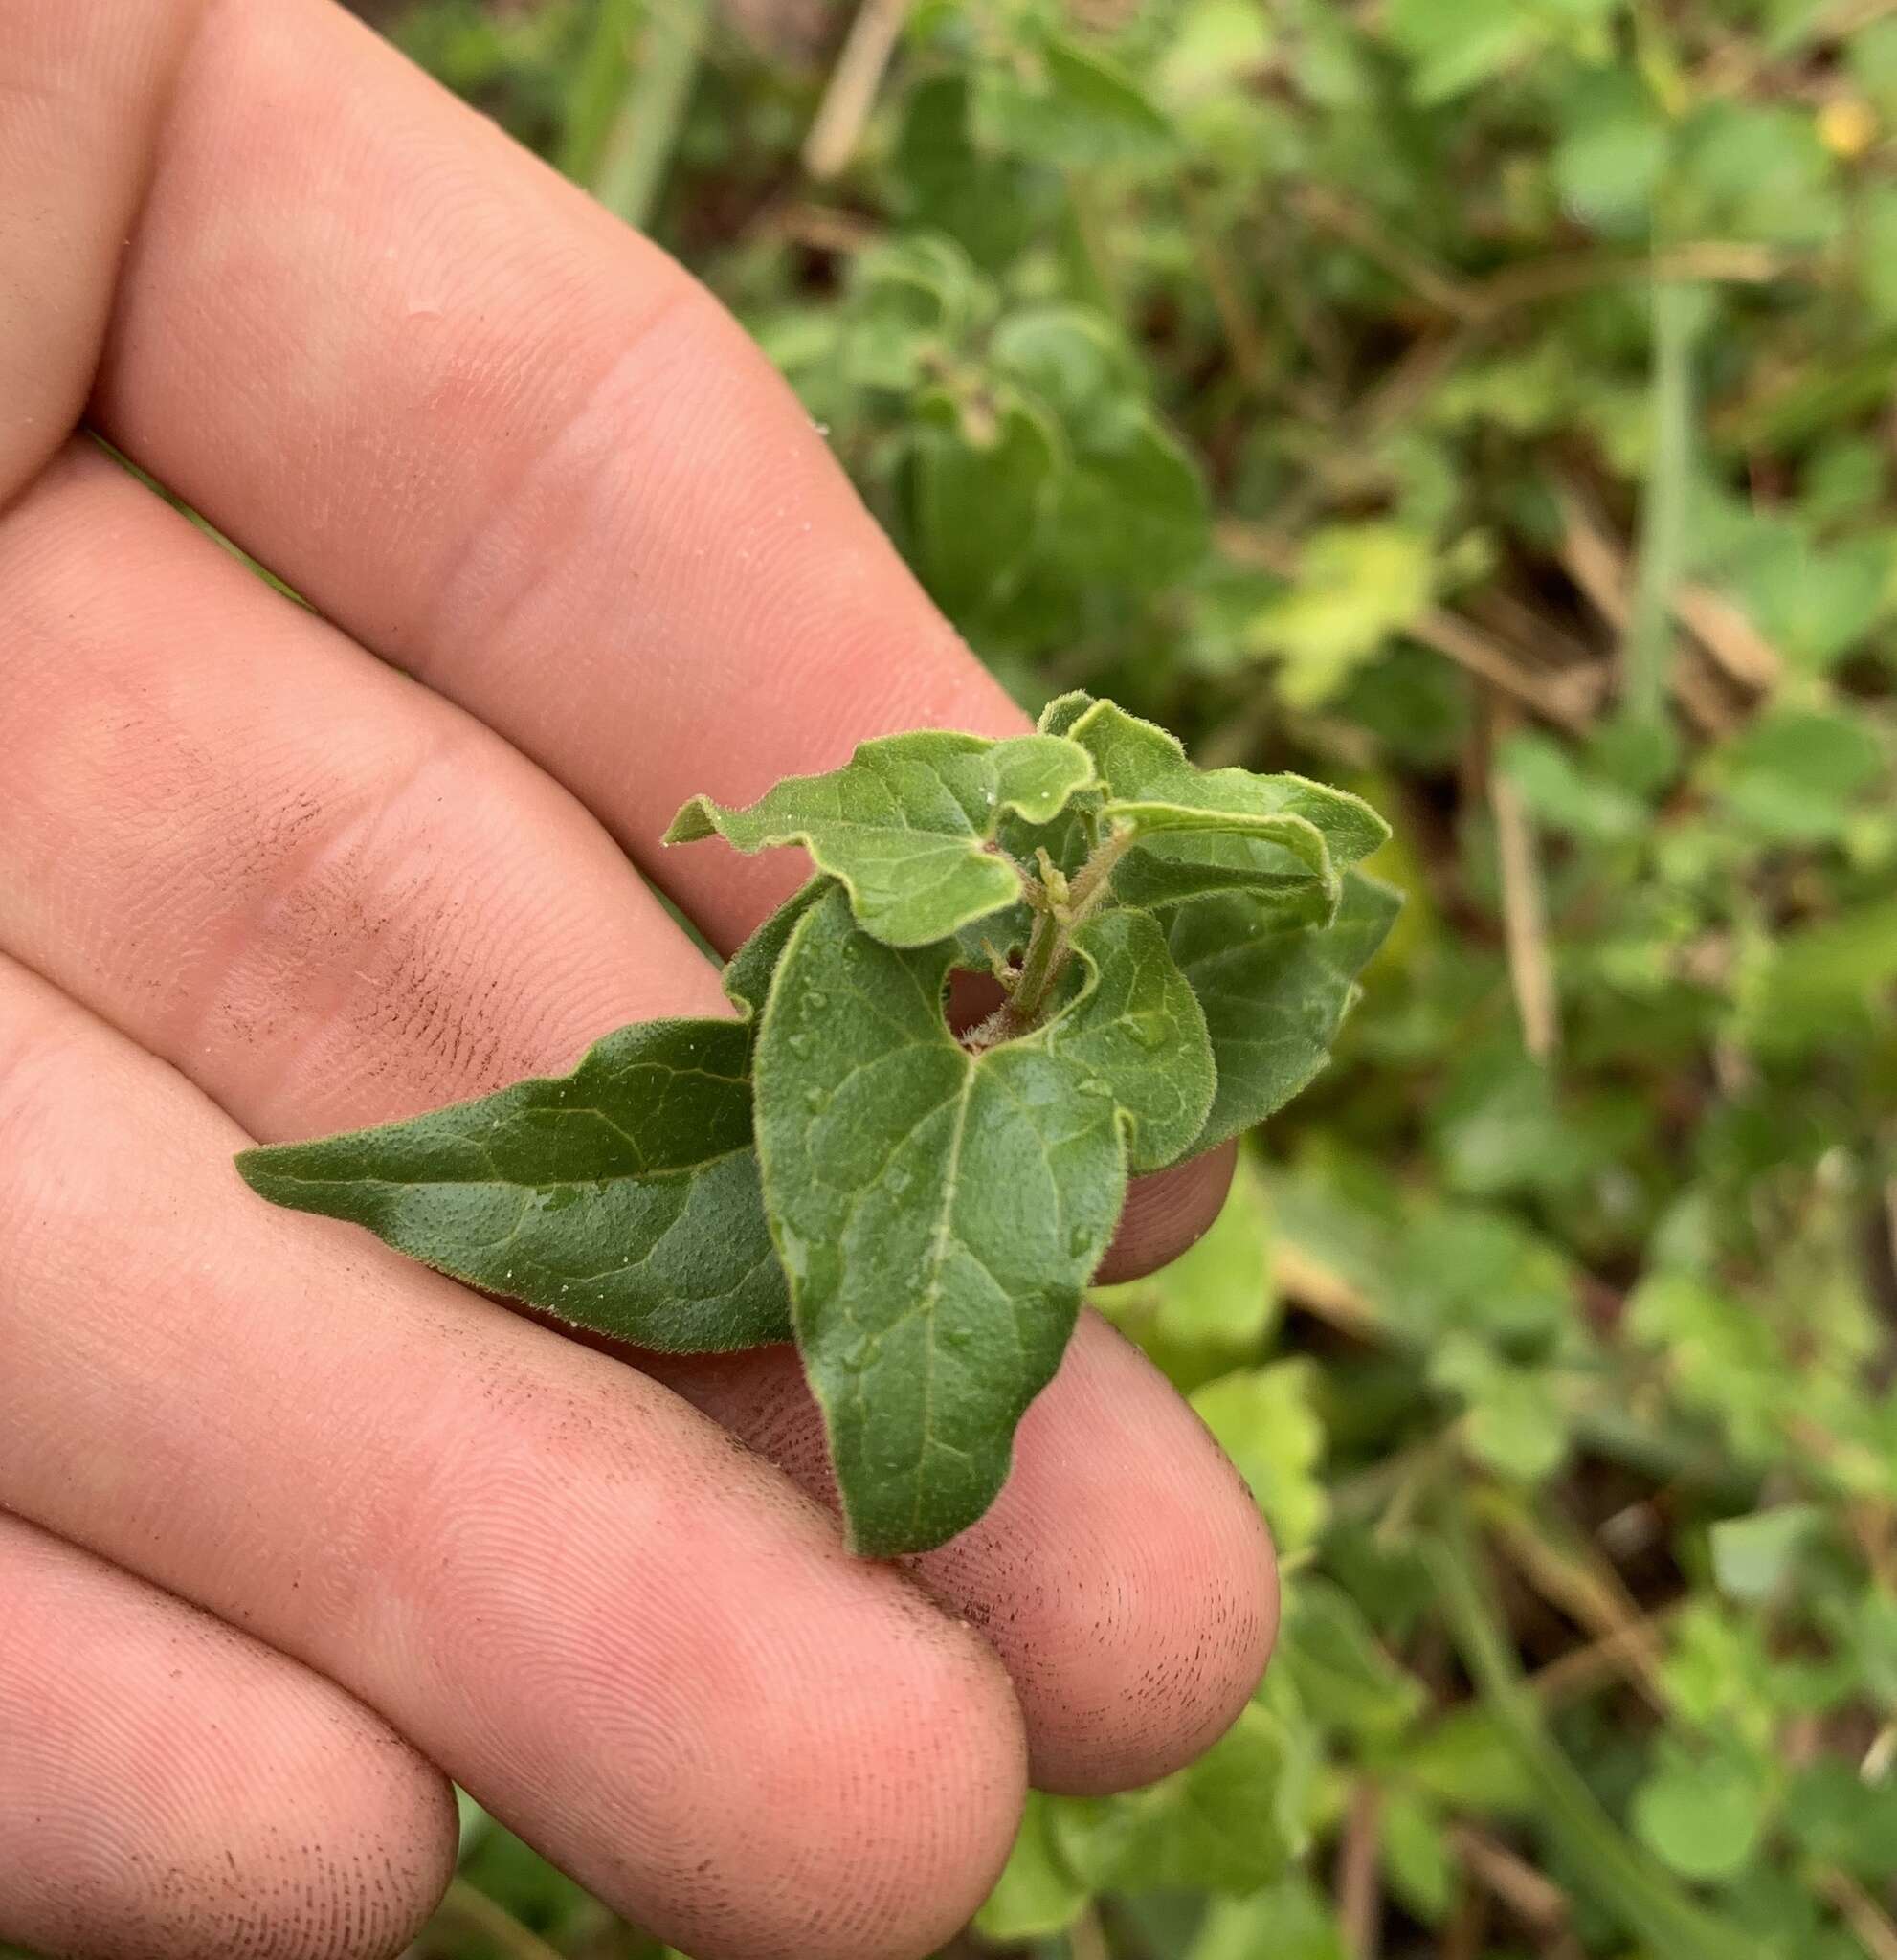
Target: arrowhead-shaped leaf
907	826
1151	785
1273	991
938	1214
623	1197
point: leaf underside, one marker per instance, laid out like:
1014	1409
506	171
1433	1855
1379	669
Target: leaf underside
623	1197
1273	991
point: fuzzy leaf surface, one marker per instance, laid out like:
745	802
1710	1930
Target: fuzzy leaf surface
1137	1026
1273	991
1151	785
907	824
938	1214
623	1197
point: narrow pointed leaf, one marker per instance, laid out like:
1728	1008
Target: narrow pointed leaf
623	1197
1138	1028
938	1214
1151	785
908	824
1273	991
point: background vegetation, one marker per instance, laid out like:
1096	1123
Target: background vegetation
1486	403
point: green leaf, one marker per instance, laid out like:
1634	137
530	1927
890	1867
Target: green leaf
1151	785
623	1197
1036	1894
1704	1815
1794	775
1265	1420
749	970
1076	107
1137	1026
981	484
1289	1920
1217	1298
1753	1557
937	1212
1231	1822
907	824
1130	509
1357	586
1274	991
1516	1421
1343	1676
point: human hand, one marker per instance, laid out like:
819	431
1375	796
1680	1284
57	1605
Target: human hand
576	553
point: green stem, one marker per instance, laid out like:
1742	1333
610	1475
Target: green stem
1647	654
638	150
1055	920
1630	1886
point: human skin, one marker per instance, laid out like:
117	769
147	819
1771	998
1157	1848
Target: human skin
292	1531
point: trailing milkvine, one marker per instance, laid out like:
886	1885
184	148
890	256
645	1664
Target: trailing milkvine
918	1210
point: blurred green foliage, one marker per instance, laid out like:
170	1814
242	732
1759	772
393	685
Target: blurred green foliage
1485	403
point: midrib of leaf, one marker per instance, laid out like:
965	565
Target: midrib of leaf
951	1187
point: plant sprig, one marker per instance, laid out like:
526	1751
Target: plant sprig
919	1209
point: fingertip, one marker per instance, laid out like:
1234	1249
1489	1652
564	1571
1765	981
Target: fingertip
1135	1609
1166	1212
171	1788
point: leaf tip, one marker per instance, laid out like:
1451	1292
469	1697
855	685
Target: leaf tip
696	820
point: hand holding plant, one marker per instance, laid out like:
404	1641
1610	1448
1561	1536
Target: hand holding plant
920	1211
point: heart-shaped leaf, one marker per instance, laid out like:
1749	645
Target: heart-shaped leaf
938	1212
907	826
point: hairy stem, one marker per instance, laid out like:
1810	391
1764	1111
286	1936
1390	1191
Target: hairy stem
1056	912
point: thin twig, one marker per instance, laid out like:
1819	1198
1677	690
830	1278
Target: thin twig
1087	1938
1359	1891
1523	909
1710	263
1592	1597
1600	568
1562	698
474	1911
1476	302
1524	1891
847	101
1870	1926
1236	319
1617	1656
1325	206
1466	1936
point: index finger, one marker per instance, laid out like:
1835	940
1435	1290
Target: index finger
508	443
